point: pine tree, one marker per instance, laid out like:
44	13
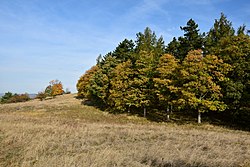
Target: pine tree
234	50
192	39
173	47
124	51
222	28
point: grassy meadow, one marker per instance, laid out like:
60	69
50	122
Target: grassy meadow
63	132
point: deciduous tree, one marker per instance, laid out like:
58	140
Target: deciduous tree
165	81
198	82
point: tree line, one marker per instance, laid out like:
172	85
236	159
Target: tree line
54	89
200	72
9	97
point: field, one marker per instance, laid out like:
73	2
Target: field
63	132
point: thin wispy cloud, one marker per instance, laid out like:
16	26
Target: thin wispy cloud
60	39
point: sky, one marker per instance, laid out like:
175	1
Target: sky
44	40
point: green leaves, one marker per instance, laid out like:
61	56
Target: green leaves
197	72
192	40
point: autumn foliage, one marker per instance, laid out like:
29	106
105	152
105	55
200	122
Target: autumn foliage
54	88
198	72
14	98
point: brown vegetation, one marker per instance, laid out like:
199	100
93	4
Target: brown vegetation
62	132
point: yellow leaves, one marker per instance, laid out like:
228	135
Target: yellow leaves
164	82
84	81
55	88
184	73
198	78
194	55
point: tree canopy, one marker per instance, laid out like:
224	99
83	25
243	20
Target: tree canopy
201	72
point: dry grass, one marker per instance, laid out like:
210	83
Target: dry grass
62	132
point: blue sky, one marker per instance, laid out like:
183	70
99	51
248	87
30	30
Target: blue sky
42	40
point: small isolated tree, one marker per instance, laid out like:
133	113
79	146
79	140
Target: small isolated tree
54	88
198	82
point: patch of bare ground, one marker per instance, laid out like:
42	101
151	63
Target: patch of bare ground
62	132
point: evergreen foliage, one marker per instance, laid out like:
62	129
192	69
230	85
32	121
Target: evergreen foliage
192	40
198	72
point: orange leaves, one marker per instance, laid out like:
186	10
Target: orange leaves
84	82
56	88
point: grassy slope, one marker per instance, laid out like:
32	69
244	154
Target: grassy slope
62	132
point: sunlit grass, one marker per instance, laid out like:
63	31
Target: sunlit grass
62	132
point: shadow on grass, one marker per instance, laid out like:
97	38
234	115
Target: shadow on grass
156	162
225	119
91	103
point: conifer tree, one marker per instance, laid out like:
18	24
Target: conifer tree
173	47
100	83
222	28
148	51
192	39
234	49
124	51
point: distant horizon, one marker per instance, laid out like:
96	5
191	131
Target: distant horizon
31	95
46	40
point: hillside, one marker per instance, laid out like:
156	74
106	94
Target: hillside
63	132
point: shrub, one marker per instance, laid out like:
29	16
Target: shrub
41	96
14	98
67	91
6	97
19	98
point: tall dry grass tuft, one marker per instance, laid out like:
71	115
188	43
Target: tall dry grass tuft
61	132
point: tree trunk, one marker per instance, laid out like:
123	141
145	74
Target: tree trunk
199	117
168	115
145	112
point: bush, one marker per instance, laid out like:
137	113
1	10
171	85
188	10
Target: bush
41	96
14	98
19	98
67	91
6	97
